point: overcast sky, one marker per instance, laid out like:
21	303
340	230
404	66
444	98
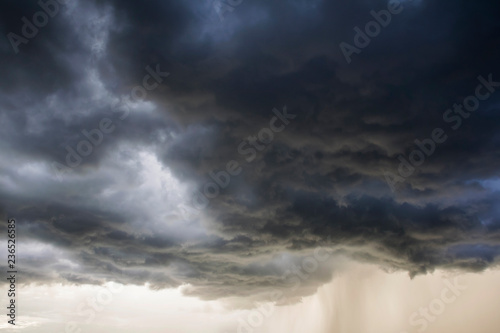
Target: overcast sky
211	153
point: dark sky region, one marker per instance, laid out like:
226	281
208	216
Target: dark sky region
178	90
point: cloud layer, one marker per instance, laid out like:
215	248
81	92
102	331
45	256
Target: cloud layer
321	181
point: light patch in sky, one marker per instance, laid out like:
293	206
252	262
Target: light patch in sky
363	299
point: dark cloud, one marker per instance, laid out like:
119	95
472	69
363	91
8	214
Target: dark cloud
319	182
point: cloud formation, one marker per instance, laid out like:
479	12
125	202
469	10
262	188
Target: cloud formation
320	182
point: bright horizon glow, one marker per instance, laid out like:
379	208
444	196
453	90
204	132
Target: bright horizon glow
362	299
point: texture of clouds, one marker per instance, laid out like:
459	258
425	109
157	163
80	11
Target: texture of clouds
320	182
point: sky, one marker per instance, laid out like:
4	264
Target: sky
251	166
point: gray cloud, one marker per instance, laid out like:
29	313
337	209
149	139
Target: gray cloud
320	182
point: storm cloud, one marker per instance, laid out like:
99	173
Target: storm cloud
319	182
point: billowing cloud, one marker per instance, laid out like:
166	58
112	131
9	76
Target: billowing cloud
118	115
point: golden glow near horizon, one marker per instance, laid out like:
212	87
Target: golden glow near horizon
361	299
